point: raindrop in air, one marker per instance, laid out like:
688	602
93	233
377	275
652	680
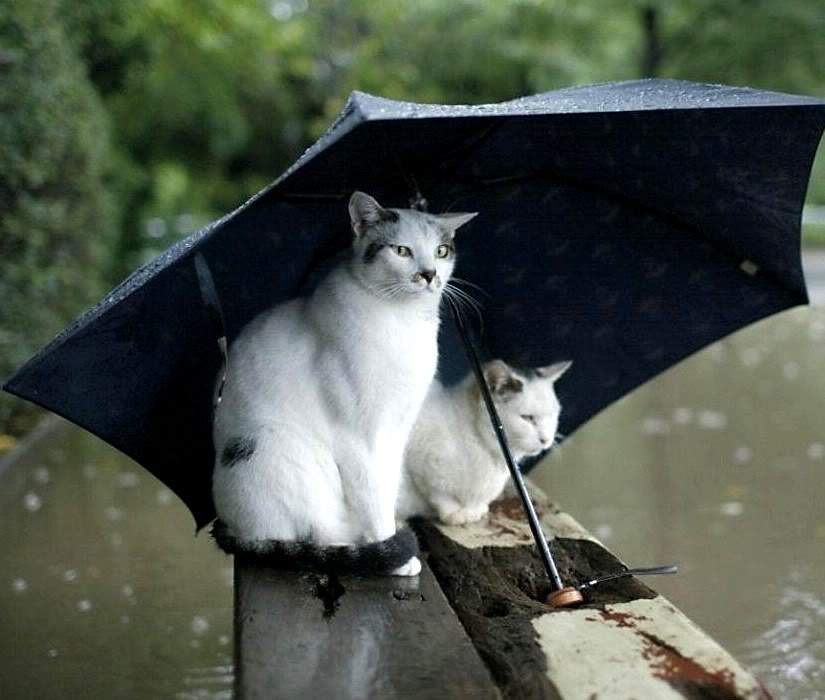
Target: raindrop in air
732	509
816	450
114	513
743	454
32	502
713	420
682	416
200	625
654	426
127	479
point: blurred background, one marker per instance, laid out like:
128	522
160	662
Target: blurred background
125	126
128	125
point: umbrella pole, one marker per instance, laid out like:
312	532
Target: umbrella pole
565	595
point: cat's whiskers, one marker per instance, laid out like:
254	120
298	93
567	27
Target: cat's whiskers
467	283
460	300
387	290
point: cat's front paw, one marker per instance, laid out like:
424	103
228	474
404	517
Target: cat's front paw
462	516
411	568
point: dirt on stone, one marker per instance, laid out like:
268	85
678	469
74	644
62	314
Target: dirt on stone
497	591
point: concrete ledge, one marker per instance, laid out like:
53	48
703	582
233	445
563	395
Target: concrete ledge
625	642
303	635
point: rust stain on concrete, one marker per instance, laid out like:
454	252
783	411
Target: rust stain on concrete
669	664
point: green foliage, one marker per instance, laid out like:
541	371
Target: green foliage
208	100
55	215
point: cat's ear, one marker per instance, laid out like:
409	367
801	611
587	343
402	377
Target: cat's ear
554	371
453	221
364	211
501	379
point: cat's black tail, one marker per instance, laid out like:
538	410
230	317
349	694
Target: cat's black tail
373	558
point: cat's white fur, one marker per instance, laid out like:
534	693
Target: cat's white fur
329	387
453	466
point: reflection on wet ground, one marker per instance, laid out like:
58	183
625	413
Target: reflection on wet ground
719	465
104	590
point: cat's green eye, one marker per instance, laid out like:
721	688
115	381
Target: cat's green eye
442	251
402	250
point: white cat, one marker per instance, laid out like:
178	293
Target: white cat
453	466
321	395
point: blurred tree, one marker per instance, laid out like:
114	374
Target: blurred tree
208	101
55	215
211	100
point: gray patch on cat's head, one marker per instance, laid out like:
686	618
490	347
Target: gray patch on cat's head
402	253
237	450
502	380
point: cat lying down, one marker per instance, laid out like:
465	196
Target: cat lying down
321	395
453	466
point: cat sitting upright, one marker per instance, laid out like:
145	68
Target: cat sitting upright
321	395
453	467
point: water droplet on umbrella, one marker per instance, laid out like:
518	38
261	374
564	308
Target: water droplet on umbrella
41	475
84	605
164	497
125	620
89	471
127	590
52	653
70	575
19	585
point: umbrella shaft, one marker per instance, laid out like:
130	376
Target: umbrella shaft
532	518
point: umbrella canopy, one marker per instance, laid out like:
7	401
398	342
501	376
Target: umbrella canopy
623	226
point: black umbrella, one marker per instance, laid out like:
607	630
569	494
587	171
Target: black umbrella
624	226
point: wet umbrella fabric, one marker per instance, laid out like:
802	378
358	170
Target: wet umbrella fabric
623	226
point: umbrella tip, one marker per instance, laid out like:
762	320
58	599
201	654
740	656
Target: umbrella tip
565	597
